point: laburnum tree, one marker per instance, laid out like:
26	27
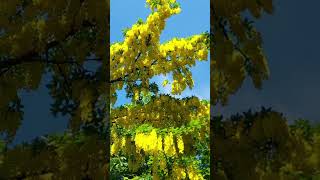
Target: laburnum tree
61	42
263	145
58	38
259	145
157	135
237	53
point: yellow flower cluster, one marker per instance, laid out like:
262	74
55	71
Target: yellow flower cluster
169	145
180	172
176	113
141	56
193	174
151	143
163	6
180	144
148	142
160	147
118	144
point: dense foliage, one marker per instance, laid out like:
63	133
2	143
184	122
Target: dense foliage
59	41
155	136
262	145
237	53
237	46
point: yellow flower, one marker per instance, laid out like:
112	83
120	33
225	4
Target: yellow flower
153	140
165	82
178	172
113	149
193	174
168	145
136	95
159	144
202	54
180	144
176	11
123	141
147	142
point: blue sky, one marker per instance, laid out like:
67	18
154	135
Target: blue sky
193	19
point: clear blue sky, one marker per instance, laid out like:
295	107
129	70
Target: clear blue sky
193	19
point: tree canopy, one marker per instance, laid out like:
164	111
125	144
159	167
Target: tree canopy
252	145
156	136
262	145
56	39
237	46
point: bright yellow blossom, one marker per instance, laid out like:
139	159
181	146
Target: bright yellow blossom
140	57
